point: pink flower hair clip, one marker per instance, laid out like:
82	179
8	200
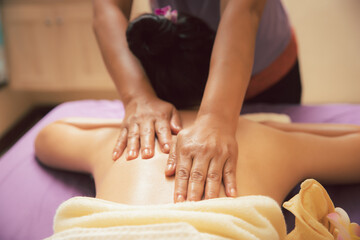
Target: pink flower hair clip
167	13
344	229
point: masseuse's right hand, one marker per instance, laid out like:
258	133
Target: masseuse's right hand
145	117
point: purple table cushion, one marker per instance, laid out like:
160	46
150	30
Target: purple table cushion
30	192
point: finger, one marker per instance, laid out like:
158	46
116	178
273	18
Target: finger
163	134
120	144
175	122
197	178
147	139
183	167
171	162
229	177
133	142
213	179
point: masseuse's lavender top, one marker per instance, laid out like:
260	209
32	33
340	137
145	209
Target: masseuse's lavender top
273	35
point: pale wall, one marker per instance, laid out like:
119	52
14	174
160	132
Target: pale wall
328	34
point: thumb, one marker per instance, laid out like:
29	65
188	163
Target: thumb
175	122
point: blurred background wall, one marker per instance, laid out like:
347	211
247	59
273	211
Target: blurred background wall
328	34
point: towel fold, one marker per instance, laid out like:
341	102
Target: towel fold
252	217
311	207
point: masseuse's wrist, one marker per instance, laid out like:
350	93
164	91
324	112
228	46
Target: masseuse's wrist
219	111
217	119
141	96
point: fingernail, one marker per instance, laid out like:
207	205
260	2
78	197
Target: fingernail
180	198
166	147
131	154
114	156
233	192
169	167
146	153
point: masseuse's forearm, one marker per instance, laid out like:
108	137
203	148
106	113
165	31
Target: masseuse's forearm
110	23
232	60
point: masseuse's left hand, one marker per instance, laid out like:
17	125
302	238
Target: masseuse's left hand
204	155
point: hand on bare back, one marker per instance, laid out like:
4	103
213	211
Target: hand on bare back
144	118
204	156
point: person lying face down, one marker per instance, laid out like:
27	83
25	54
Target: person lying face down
290	152
273	157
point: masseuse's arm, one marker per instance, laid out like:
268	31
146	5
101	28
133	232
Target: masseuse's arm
206	152
145	114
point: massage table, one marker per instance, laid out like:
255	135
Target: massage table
30	192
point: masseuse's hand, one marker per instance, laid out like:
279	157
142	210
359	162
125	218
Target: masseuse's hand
204	155
145	117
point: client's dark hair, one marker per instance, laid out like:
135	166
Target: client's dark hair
175	56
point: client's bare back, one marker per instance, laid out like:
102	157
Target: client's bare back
272	158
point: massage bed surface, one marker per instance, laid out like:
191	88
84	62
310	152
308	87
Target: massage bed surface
30	193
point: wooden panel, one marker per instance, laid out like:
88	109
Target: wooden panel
31	45
81	59
51	46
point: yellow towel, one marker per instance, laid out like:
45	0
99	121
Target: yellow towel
252	217
310	207
263	117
